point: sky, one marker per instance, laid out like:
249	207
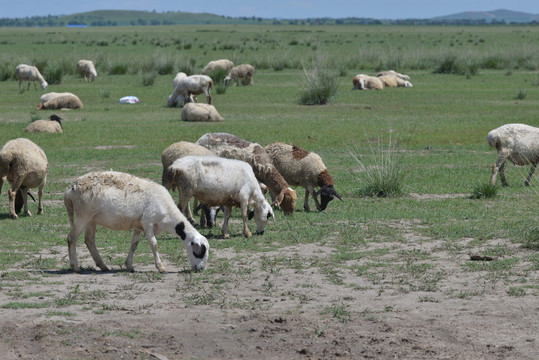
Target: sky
297	9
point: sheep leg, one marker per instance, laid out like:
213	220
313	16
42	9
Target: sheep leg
208	96
134	243
224	230
306	201
148	229
532	170
39	200
89	240
12	194
498	167
246	231
183	204
502	174
72	237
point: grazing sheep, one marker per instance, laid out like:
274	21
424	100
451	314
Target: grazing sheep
200	112
518	143
243	71
25	166
366	82
87	69
62	101
232	147
223	182
303	168
224	64
53	125
393	73
179	100
393	81
171	154
30	73
191	85
120	201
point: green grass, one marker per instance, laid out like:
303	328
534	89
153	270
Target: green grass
440	124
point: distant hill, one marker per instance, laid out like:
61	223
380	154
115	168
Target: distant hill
507	16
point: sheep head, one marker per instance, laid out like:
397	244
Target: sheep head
286	200
197	246
327	193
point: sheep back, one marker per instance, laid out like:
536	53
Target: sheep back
519	142
23	158
46	126
66	101
200	112
224	64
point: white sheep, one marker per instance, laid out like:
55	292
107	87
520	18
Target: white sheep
172	153
120	201
53	125
366	82
518	143
223	182
393	73
179	100
25	165
87	69
61	101
200	112
243	71
191	85
52	95
303	168
30	73
232	147
394	81
223	64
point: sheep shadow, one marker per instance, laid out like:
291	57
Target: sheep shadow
92	271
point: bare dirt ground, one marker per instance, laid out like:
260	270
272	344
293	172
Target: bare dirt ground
255	307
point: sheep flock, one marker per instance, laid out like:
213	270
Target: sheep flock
219	169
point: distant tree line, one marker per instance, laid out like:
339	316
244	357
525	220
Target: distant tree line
55	21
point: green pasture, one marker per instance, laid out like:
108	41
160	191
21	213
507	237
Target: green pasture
439	127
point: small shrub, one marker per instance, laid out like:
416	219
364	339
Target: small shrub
531	238
118	69
320	83
521	95
449	65
53	74
220	88
148	78
218	76
383	178
484	191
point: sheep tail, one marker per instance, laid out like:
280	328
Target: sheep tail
211	85
70	211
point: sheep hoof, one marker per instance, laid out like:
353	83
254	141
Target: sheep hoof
13	216
226	236
162	269
40	211
247	234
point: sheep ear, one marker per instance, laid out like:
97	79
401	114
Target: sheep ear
180	230
251	214
279	199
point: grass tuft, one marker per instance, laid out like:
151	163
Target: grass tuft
484	191
320	83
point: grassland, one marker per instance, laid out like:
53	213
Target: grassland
371	251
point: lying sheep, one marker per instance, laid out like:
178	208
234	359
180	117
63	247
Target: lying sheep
232	147
223	64
303	168
87	69
393	73
222	182
25	165
120	201
52	95
191	85
200	112
30	73
53	125
517	143
394	81
366	82
243	71
171	154
63	101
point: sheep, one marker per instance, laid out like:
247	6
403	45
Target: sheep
121	201
52	95
243	71
63	101
224	64
53	125
191	85
518	143
87	69
366	82
174	152
24	164
394	81
30	73
200	112
232	147
179	99
303	168
393	73
223	182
